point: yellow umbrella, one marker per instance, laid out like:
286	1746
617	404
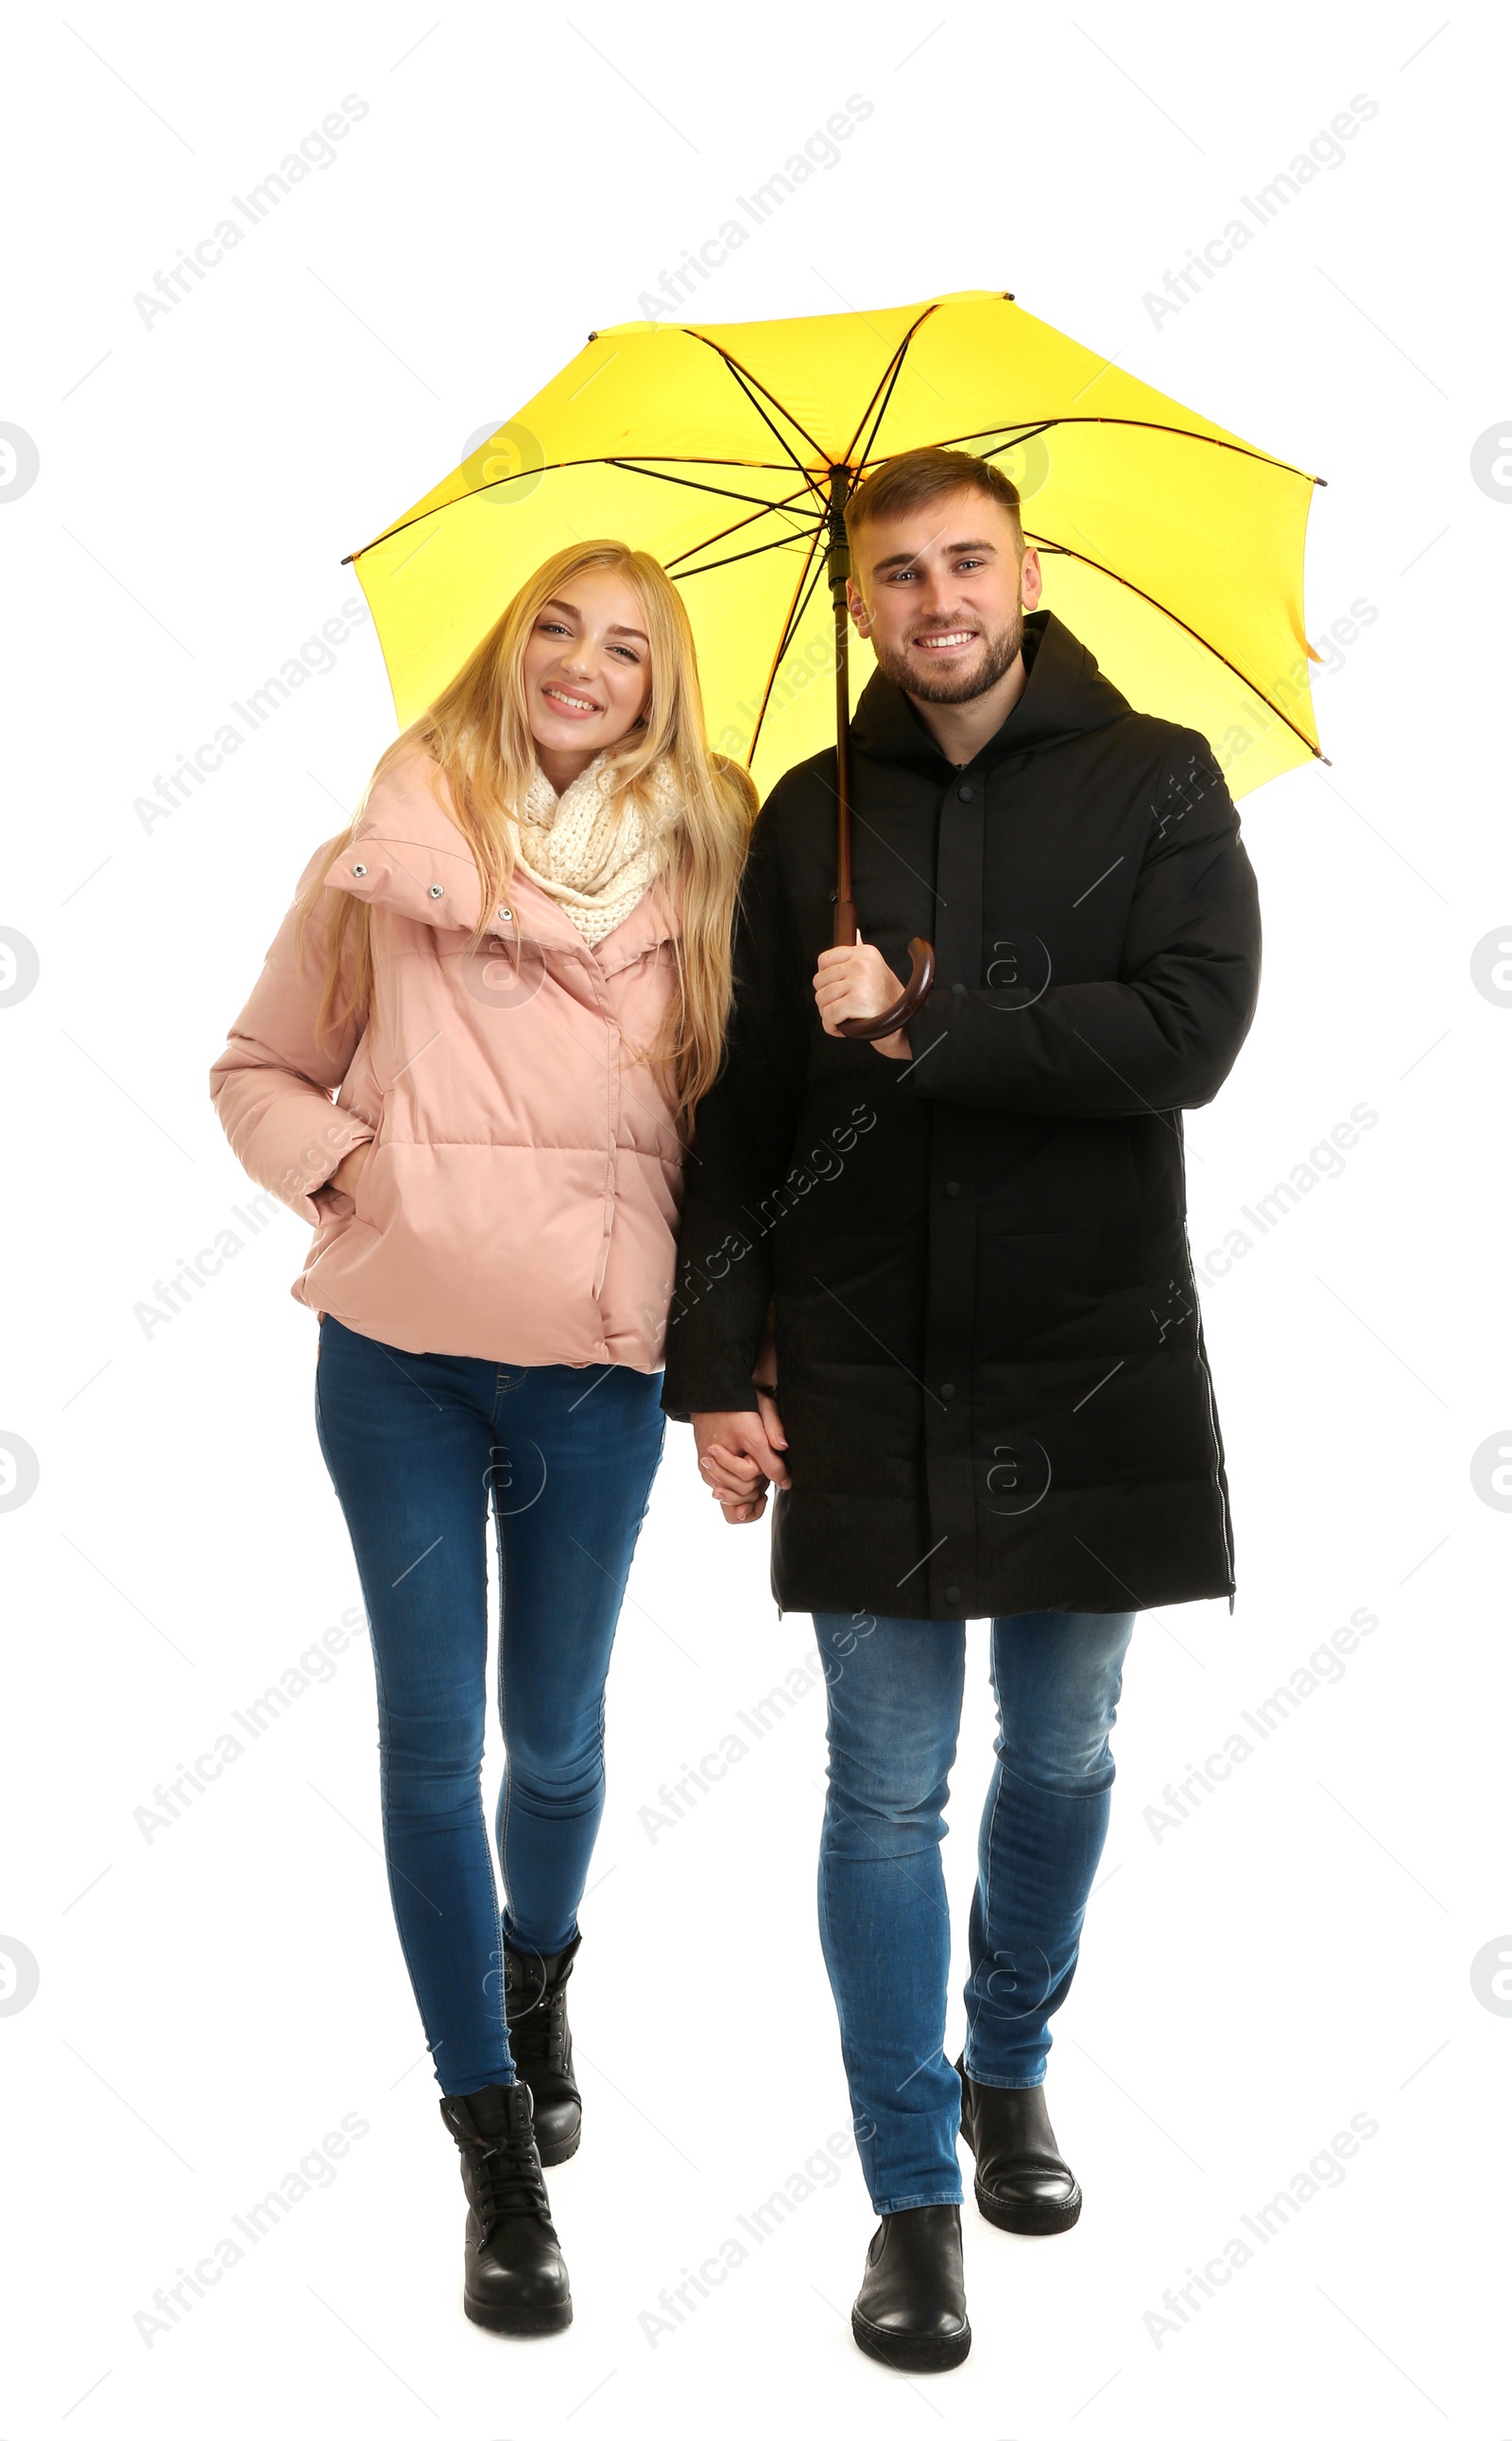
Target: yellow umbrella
1172	548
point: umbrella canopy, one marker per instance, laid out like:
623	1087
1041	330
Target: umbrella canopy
1172	548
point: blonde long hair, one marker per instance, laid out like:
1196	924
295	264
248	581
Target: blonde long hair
479	731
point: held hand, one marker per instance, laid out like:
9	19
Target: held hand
338	1194
737	1460
858	981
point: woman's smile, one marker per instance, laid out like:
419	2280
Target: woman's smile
573	706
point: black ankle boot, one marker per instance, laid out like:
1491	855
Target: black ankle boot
516	2279
1022	2183
541	2045
910	2311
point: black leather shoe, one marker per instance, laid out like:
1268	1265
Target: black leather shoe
910	2311
1022	2183
541	2045
514	2278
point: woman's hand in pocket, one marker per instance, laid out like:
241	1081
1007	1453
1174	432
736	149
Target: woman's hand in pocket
337	1197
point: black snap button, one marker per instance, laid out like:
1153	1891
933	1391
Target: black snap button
953	1186
948	1389
958	987
965	795
952	1593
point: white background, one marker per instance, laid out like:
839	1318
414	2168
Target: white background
1296	1952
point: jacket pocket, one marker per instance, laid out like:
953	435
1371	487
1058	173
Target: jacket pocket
362	1193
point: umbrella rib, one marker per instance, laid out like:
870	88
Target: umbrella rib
857	453
800	604
888	379
781	543
1065	552
671	458
1021	433
747	383
562	466
1130	424
739	526
795	615
631	466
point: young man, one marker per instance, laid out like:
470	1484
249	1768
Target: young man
994	1397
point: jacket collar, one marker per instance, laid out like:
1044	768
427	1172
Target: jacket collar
1065	696
410	855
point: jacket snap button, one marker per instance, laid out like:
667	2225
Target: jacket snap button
359	870
953	1186
964	795
948	1389
504	915
958	987
952	1593
435	890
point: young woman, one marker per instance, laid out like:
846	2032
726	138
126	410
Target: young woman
514	970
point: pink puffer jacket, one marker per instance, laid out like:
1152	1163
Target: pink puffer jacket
521	1199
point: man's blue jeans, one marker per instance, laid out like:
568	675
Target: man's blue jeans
418	1448
894	1713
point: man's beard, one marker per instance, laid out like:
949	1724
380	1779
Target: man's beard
961	685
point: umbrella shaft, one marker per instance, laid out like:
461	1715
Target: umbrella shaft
840	569
844	906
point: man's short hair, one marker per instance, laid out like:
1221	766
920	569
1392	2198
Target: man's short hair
899	486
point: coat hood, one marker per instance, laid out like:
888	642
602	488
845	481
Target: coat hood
1066	694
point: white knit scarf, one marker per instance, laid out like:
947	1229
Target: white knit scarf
596	855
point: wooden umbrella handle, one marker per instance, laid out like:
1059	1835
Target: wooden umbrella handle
915	991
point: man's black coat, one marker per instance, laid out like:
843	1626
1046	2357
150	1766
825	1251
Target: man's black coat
990	1357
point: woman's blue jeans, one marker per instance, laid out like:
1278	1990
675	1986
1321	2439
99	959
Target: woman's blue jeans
894	1713
419	1448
